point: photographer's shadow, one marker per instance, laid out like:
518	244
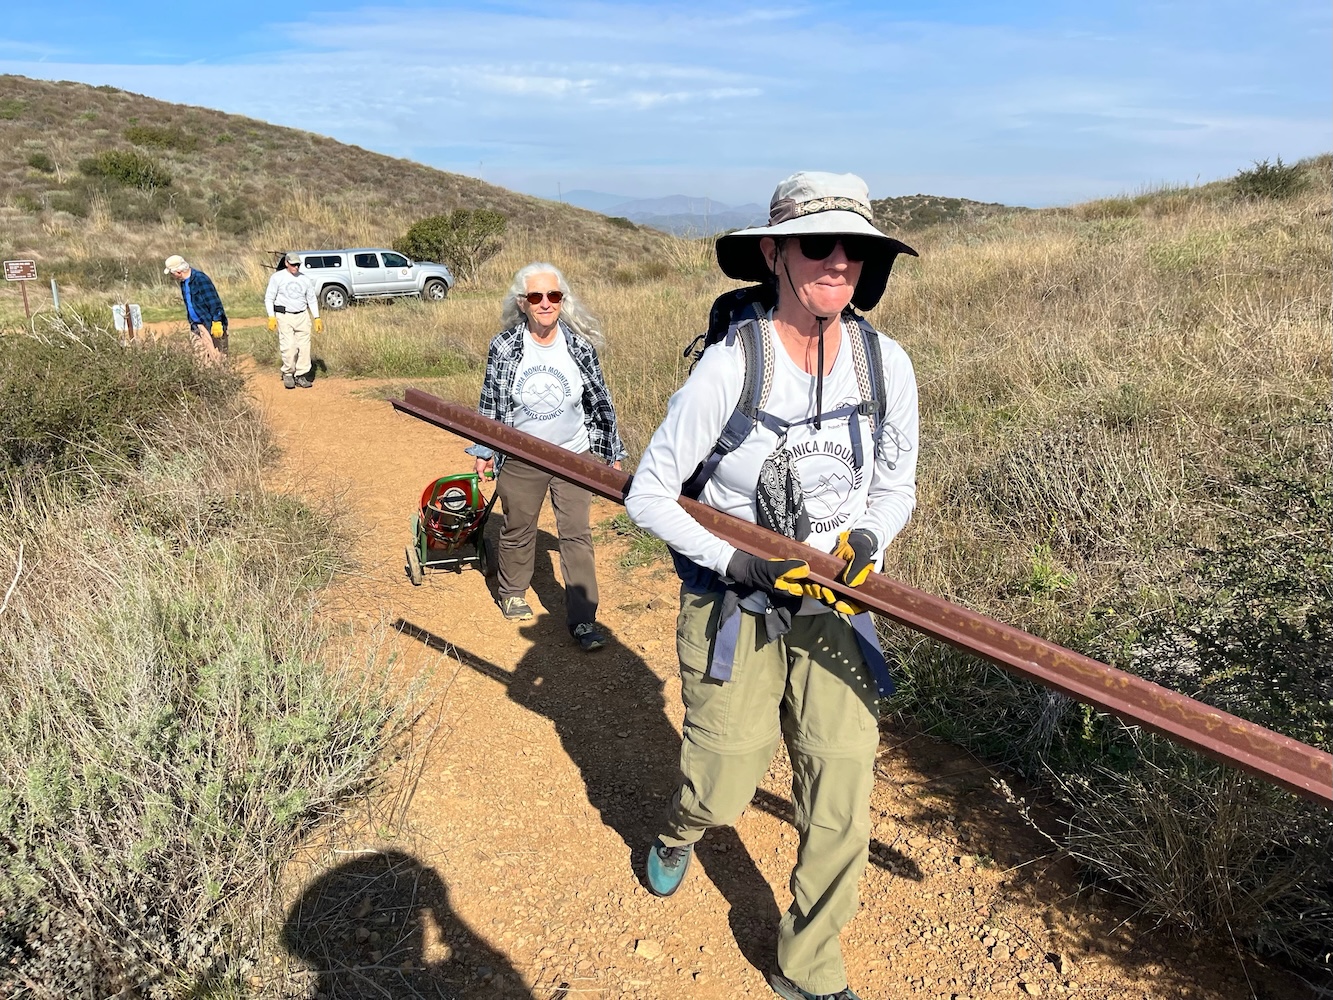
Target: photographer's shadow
362	928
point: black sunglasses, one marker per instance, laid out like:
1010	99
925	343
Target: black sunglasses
819	246
553	297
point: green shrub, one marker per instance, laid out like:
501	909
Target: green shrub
162	137
75	201
97	398
25	202
464	239
1270	180
122	166
40	161
10	109
620	222
170	730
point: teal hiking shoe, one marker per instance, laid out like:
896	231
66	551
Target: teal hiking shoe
666	867
788	990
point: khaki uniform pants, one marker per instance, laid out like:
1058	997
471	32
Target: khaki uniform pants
294	342
522	490
814	687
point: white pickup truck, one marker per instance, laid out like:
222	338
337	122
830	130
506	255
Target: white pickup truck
370	273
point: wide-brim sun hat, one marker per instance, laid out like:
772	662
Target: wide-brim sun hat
814	202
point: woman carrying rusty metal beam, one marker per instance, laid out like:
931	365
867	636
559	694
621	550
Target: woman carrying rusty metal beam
801	417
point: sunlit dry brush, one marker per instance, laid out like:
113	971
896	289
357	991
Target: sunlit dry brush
173	723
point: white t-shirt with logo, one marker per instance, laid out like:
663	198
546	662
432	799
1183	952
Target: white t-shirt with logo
548	394
838	496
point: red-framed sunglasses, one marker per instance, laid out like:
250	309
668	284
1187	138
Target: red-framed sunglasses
553	297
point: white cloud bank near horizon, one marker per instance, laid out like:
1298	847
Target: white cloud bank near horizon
644	100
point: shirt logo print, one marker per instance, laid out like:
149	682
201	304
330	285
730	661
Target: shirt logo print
542	392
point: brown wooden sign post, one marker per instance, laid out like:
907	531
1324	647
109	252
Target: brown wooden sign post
22	271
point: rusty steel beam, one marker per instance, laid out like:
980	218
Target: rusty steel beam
1289	763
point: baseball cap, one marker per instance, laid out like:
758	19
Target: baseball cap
175	263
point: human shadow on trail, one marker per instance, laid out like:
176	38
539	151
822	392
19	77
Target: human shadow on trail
361	928
609	711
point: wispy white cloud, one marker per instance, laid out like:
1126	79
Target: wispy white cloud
723	98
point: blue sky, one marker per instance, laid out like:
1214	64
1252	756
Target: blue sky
1033	103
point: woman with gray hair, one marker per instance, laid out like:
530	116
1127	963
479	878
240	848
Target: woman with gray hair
543	377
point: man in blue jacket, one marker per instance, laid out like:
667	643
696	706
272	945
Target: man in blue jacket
203	308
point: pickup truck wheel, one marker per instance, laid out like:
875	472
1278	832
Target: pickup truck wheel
333	297
434	290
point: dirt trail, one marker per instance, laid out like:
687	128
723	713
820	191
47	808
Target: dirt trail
515	875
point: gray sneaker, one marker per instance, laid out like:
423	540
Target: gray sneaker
303	382
515	609
288	380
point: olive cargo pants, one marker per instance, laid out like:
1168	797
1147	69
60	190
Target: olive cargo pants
812	687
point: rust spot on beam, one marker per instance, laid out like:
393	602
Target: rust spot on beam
1289	763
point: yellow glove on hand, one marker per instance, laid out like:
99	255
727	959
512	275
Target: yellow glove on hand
824	595
272	323
859	548
319	325
216	329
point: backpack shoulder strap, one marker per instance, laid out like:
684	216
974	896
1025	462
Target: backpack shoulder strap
869	361
757	358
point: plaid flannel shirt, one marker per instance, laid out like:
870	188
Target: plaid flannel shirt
204	298
497	392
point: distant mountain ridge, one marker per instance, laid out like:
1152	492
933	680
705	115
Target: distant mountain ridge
680	214
697	217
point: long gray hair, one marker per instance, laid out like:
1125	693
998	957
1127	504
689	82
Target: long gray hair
573	313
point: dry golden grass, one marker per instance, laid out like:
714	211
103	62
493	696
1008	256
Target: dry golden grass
240	189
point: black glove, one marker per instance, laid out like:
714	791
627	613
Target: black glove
772	576
859	548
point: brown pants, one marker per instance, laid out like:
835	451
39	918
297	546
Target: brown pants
522	490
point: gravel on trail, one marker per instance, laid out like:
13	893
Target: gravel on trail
512	873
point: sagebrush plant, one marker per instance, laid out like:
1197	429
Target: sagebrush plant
1270	180
173	722
125	166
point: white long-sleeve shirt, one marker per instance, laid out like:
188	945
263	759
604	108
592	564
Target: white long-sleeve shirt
294	292
838	497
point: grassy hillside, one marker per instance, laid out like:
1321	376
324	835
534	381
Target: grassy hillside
915	212
1124	448
228	190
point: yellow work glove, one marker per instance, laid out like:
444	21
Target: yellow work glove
319	325
773	576
824	595
858	548
272	323
216	329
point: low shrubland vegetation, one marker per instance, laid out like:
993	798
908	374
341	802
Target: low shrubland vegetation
1124	449
173	723
239	190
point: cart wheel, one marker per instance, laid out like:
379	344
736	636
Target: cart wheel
414	572
484	558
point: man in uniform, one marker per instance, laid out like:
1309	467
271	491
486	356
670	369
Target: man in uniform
292	303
